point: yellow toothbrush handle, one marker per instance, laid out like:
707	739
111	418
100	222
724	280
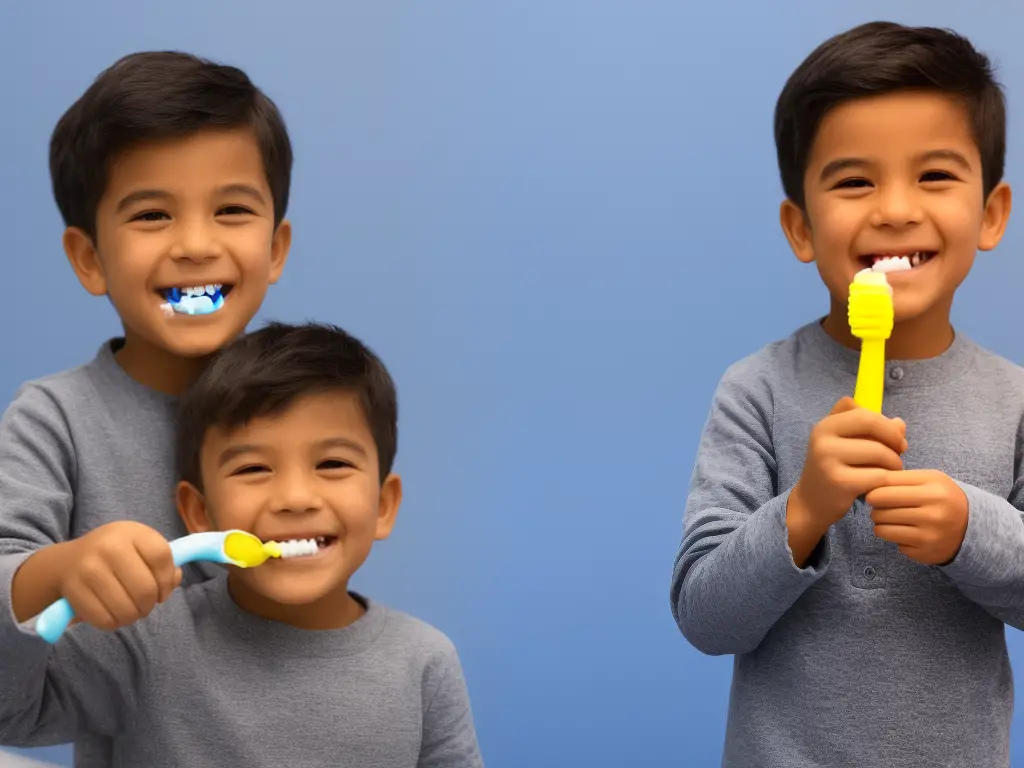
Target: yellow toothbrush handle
871	375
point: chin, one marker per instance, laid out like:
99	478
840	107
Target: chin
297	591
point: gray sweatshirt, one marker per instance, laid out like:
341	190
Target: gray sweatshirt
863	658
201	683
79	449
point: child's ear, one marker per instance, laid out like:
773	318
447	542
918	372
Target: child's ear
81	252
997	214
279	249
192	508
797	229
387	509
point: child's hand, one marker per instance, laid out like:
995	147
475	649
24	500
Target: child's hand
851	451
117	573
924	512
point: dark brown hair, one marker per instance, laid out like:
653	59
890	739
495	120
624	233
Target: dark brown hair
158	95
879	58
264	372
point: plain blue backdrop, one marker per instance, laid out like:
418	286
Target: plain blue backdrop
557	223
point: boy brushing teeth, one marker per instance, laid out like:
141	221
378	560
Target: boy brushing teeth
290	433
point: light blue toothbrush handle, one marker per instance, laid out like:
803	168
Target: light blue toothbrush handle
54	620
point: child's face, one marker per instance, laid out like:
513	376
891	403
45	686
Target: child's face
184	212
896	175
308	472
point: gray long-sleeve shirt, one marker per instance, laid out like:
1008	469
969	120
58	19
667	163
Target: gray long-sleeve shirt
79	449
201	683
863	658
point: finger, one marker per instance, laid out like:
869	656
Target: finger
843	405
858	452
901	535
893	496
138	582
863	423
911	516
156	554
911	477
99	599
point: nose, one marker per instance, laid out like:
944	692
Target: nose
195	242
296	493
896	206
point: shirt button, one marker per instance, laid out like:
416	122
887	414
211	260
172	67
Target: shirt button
896	374
869	573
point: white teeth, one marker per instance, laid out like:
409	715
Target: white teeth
298	548
891	264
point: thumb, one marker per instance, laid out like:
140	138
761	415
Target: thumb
843	405
177	578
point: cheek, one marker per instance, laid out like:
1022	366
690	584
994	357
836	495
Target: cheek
834	226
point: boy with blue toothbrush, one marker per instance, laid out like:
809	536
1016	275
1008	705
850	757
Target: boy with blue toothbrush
172	176
861	567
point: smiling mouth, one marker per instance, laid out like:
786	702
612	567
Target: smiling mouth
194	300
322	543
896	262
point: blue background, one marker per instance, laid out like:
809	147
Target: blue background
557	223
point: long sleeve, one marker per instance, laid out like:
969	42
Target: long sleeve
89	681
449	736
989	569
734	574
37	478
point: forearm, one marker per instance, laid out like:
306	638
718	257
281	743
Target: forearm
804	532
36	583
989	568
735	576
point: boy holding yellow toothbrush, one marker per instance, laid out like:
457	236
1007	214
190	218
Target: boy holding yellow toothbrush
289	434
861	566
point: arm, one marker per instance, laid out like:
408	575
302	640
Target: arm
449	737
989	568
86	683
735	573
37	478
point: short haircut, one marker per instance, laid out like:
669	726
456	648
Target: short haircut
151	96
879	58
264	372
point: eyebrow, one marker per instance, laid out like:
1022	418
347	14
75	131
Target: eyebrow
342	442
142	195
845	163
233	452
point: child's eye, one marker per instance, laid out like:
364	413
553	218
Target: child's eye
150	216
251	469
234	210
853	184
937	176
333	464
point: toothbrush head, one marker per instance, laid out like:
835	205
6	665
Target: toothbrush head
870	307
244	550
201	300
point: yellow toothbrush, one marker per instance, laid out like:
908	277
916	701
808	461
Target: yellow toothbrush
871	320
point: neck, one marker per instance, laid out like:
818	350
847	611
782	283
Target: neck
156	368
925	336
336	610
